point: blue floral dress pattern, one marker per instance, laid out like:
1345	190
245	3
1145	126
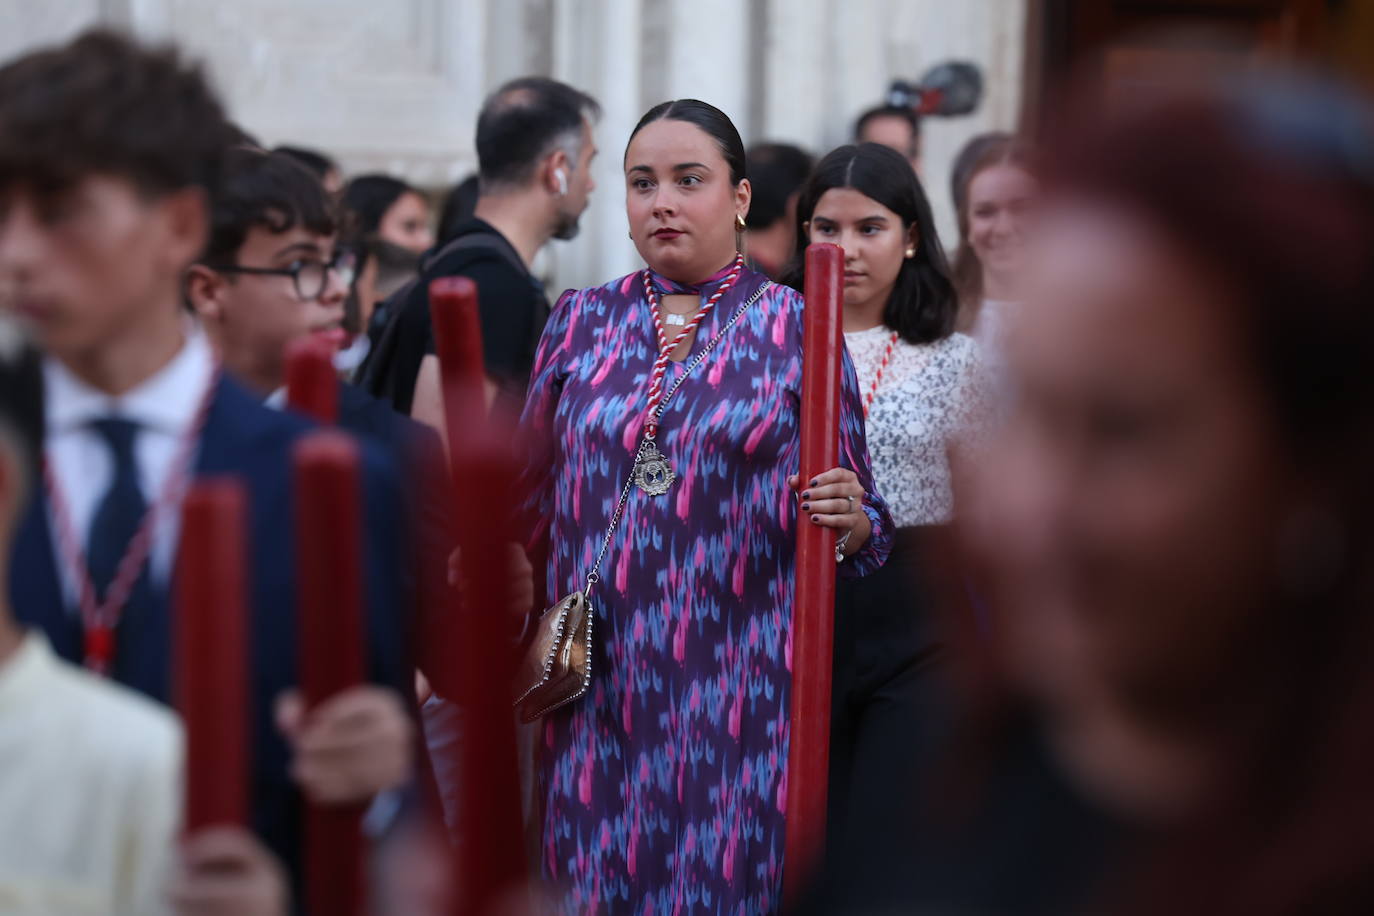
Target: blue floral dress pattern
664	788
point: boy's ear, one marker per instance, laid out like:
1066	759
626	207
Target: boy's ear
187	215
205	292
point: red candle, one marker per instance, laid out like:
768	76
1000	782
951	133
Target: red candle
480	646
329	565
211	661
458	341
312	387
813	614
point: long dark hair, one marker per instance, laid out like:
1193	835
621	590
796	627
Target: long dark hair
711	120
982	152
368	197
923	303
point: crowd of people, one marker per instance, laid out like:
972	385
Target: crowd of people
1101	513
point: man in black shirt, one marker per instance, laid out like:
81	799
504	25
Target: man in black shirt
534	151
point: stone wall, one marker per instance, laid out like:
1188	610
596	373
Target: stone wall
395	85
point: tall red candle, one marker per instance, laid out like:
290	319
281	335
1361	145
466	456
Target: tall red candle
813	610
328	498
211	655
458	341
491	861
312	387
479	626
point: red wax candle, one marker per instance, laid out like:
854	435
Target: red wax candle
211	660
312	387
458	341
479	644
813	610
328	498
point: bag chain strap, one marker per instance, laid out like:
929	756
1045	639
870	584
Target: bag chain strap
594	576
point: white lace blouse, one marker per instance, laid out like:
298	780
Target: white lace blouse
928	394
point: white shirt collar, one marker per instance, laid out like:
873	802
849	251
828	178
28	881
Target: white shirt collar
166	402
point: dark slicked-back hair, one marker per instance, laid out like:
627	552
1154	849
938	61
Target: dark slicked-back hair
526	120
105	104
711	120
268	190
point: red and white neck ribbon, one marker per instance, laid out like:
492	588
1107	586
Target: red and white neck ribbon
666	346
99	620
878	377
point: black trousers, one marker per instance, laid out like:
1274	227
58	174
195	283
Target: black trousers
889	718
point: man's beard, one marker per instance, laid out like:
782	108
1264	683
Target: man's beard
567	226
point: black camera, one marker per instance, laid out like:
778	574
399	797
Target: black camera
949	89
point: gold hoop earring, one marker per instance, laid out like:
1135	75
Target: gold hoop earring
739	223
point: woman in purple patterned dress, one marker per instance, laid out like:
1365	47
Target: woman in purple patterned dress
664	788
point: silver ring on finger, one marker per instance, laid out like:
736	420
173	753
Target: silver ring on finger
851	503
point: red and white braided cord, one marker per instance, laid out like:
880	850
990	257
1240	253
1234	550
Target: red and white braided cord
105	615
666	346
882	367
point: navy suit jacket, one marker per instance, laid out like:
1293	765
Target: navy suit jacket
246	439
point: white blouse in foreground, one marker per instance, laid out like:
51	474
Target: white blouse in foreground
929	394
90	798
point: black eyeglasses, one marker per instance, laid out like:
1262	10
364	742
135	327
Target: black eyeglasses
309	275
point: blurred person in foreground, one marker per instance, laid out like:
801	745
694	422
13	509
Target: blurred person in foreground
109	152
777	172
1172	714
90	802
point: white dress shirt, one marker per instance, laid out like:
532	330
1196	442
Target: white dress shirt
164	407
90	801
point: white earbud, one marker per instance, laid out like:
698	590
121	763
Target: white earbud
562	177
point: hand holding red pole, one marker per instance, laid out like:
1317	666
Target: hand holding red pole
813	614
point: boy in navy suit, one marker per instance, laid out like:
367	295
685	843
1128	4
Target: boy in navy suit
264	282
108	152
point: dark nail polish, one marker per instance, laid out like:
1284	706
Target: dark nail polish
806	507
806	494
815	483
816	518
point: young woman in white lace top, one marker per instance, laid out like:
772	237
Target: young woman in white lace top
920	383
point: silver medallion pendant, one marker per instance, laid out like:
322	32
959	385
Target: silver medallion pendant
654	475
